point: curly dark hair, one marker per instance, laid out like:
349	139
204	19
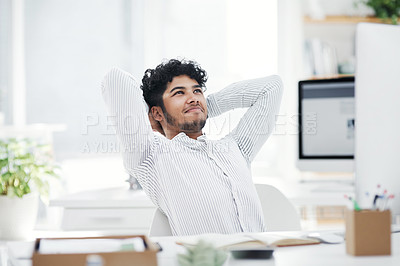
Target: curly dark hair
154	82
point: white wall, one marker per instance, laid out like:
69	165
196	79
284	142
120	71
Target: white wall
290	31
5	62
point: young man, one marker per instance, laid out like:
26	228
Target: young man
201	185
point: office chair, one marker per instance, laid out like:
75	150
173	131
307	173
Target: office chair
279	213
160	225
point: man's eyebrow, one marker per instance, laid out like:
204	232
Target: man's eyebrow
177	88
182	88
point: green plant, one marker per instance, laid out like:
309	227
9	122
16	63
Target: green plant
385	9
202	254
24	164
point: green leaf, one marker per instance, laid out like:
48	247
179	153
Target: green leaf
3	162
202	254
387	10
6	176
24	162
184	260
220	257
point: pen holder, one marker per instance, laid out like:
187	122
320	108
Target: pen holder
368	232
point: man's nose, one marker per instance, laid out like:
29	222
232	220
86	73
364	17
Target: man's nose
192	98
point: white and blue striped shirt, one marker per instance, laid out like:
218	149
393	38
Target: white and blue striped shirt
202	186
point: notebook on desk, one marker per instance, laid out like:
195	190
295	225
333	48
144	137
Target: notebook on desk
228	242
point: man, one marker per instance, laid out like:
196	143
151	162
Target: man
201	185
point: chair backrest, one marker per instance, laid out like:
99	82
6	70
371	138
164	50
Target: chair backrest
279	212
160	225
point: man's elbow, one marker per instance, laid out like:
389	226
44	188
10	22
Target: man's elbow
278	84
274	85
116	77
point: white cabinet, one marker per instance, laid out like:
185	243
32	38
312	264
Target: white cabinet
108	210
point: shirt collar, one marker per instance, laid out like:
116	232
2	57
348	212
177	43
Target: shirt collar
182	137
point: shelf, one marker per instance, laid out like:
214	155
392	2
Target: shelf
342	20
332	76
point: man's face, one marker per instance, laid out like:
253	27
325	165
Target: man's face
185	105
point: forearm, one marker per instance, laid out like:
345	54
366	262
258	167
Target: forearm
241	94
263	97
127	110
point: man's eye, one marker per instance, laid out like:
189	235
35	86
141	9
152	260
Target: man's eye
178	92
198	91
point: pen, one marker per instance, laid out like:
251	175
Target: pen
387	201
383	200
380	200
377	193
355	204
376	197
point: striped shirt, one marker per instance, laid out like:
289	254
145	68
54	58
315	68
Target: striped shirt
203	185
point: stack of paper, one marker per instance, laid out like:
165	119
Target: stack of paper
67	246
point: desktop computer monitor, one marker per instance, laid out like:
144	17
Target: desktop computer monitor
326	122
377	131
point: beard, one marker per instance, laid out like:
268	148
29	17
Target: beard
193	126
189	126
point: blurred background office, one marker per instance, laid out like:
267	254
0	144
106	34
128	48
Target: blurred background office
55	53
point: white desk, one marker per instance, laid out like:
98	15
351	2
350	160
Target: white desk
322	254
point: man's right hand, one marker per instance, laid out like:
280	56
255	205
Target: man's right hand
155	125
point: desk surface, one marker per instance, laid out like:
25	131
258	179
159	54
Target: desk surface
322	254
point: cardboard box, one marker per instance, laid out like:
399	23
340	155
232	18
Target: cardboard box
121	258
368	232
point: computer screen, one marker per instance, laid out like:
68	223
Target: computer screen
377	90
326	121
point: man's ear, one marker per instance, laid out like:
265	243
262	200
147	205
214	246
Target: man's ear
157	113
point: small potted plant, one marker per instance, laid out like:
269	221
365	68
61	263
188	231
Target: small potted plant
202	253
387	10
25	170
